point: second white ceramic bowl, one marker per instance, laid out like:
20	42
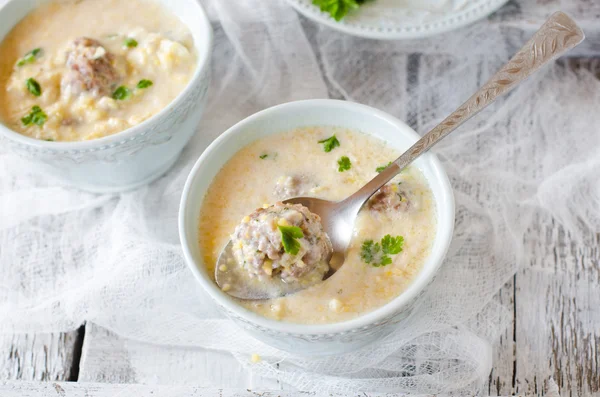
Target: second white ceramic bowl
138	155
323	338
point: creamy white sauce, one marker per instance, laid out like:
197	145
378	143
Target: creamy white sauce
164	54
247	182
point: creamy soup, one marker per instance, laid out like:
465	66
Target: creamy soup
392	237
83	69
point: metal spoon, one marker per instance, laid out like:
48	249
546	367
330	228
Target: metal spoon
556	36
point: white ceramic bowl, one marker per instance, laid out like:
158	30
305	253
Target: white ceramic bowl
137	155
326	338
388	21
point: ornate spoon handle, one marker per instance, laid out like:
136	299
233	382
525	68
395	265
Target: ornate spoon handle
556	36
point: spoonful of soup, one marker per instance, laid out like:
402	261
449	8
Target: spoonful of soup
292	245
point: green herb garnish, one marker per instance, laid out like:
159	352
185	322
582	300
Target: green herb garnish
392	245
36	116
289	236
383	167
49	139
338	8
33	86
368	250
330	143
130	43
344	164
377	254
30	57
263	156
121	93
144	84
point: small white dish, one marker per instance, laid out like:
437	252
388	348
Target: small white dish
393	19
319	339
137	155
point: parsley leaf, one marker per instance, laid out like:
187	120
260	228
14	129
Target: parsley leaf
263	156
289	236
368	250
392	245
330	143
121	93
344	164
383	167
130	43
378	255
33	86
144	83
30	57
337	8
36	116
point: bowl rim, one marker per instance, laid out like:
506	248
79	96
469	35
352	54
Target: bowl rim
425	275
127	134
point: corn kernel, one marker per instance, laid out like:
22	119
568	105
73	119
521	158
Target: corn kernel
226	287
255	358
283	222
265	205
246	219
223	268
267	268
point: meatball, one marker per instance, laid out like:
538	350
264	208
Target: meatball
389	197
90	68
291	186
258	245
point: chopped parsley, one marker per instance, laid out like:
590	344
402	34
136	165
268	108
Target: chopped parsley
144	83
338	8
263	156
289	236
130	43
33	86
121	93
30	57
330	143
378	254
344	164
383	167
49	139
36	116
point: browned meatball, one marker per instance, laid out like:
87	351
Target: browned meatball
258	243
389	197
90	68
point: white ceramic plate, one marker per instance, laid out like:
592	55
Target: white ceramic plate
403	19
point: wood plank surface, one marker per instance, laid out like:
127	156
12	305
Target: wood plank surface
40	357
29	389
558	315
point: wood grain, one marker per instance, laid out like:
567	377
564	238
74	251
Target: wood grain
28	389
500	382
558	315
40	357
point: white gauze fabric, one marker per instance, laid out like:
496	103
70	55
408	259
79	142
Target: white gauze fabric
67	257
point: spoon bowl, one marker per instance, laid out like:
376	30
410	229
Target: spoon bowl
236	281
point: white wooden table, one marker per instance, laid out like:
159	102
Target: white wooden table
552	346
